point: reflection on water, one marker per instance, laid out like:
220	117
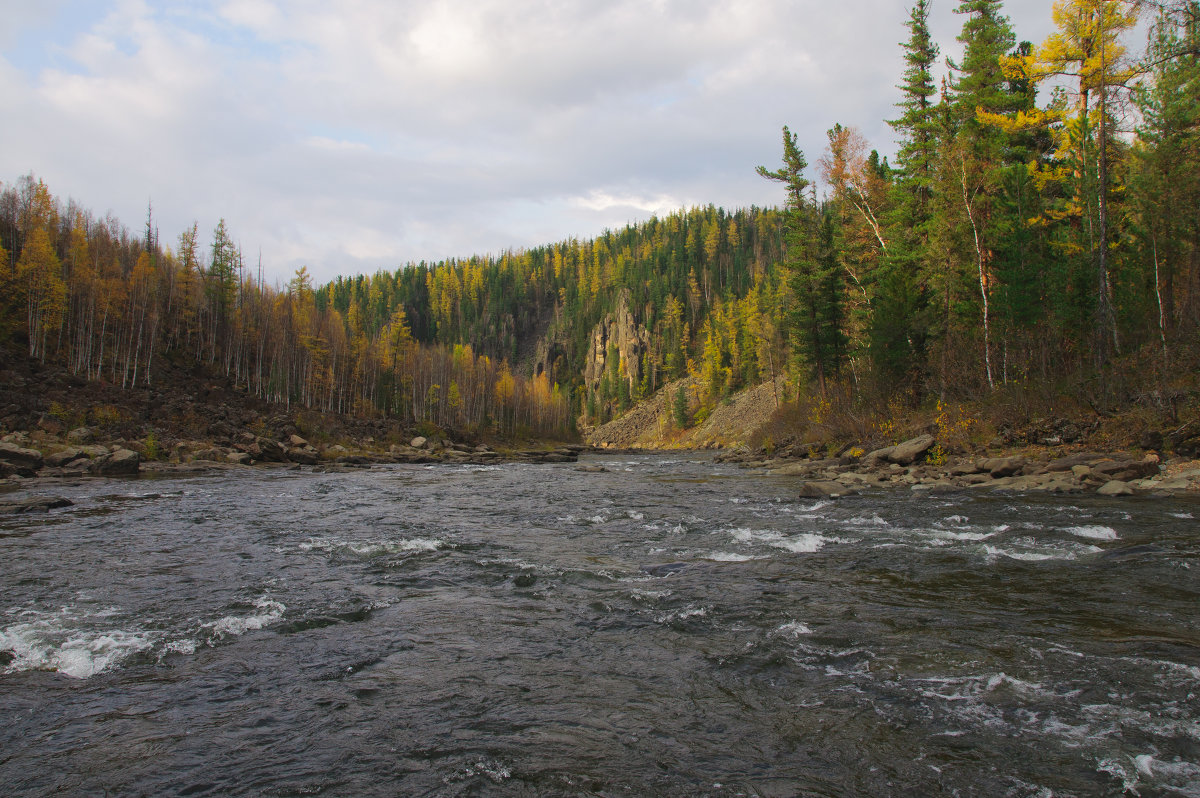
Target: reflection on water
666	627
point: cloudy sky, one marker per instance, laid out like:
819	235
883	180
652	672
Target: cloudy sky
353	135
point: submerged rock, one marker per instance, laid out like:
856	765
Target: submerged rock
33	504
821	489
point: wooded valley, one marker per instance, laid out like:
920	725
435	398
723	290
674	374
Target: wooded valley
1038	229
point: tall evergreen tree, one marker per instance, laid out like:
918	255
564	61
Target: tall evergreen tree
899	325
917	125
813	272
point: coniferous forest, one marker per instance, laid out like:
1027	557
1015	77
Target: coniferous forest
1037	230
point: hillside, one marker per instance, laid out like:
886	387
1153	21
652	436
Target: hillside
736	423
1015	256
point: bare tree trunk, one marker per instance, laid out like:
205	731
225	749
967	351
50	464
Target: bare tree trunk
983	281
1162	328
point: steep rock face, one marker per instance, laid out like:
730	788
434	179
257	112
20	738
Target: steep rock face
630	339
551	357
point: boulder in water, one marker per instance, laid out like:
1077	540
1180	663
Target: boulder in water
822	489
33	504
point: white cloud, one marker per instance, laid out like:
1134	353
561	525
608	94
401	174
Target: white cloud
350	135
599	200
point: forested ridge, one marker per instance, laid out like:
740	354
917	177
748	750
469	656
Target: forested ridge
1038	229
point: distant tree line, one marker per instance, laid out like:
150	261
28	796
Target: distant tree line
112	306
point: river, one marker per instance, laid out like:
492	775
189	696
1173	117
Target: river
666	626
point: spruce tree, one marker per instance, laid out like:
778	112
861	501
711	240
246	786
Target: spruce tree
917	125
810	260
899	323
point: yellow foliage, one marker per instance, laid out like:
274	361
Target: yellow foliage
819	411
954	426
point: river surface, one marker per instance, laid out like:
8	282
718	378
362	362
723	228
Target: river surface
666	627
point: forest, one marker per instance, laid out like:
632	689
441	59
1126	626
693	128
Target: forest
1037	230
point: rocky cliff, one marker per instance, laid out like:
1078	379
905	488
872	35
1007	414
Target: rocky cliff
631	340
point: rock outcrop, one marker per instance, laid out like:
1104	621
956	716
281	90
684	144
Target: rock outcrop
911	450
19	456
617	331
1117	474
122	462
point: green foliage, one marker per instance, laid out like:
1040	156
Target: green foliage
153	452
679	408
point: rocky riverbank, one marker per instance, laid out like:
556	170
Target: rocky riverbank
55	425
918	466
42	456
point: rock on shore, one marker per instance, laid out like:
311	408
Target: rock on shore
902	466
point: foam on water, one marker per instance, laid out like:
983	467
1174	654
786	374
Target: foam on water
1126	773
185	646
728	556
1093	532
943	537
367	549
872	521
804	543
684	614
494	770
268	612
1027	550
649	596
61	641
792	629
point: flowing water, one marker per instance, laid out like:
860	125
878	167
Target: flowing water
666	627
